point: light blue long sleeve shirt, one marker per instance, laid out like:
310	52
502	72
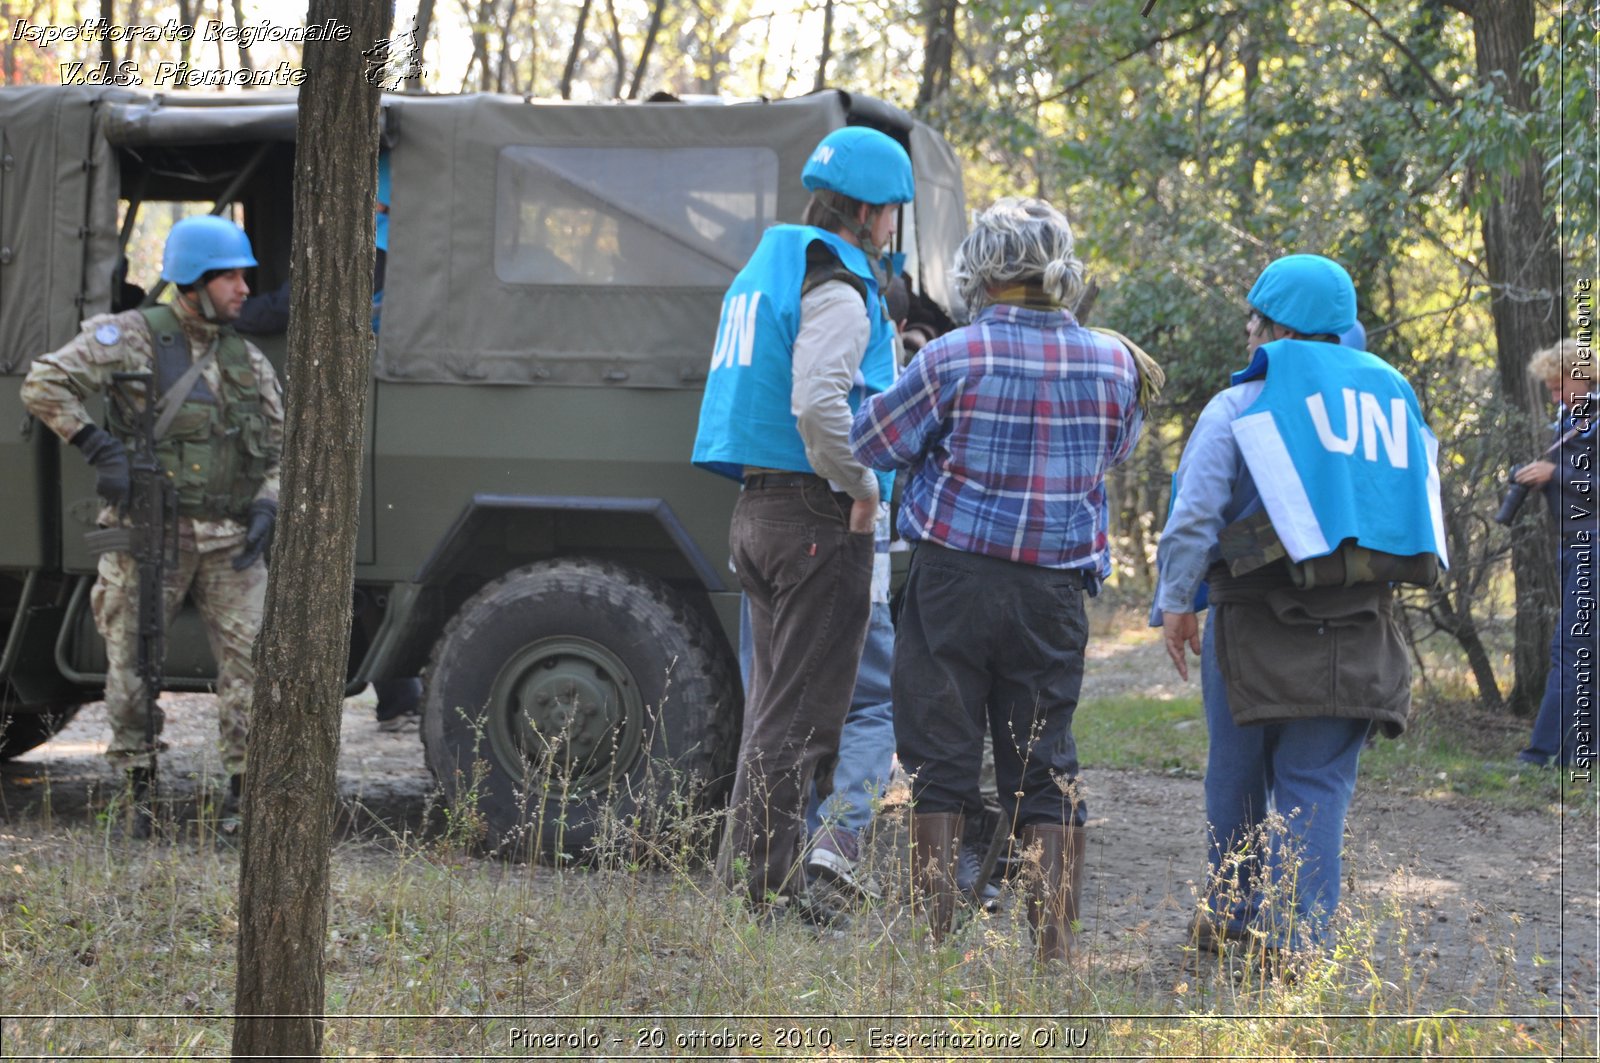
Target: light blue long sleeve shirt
1214	489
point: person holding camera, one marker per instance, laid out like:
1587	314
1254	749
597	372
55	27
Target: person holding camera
1566	474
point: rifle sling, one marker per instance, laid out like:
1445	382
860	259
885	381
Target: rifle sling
173	400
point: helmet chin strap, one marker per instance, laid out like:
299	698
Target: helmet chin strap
208	309
863	234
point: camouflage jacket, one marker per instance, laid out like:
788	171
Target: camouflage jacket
59	386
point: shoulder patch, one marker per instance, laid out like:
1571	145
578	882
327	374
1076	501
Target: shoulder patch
107	334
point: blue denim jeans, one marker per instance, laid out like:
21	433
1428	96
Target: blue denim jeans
1569	692
866	745
1305	770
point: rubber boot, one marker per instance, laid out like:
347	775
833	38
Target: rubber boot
935	843
141	802
1053	891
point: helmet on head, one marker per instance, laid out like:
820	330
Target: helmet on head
861	163
200	244
1310	294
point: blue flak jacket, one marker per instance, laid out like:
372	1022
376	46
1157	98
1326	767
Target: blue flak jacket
1338	449
745	417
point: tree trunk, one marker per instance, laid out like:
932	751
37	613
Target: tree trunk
827	47
108	47
128	52
185	18
570	71
238	20
1524	267
650	34
301	651
423	25
619	73
938	50
503	72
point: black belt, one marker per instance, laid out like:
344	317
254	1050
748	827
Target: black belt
759	480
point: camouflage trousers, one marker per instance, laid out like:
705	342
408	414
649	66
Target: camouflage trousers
230	603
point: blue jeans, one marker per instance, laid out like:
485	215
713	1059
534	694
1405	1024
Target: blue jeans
1306	771
1570	689
866	745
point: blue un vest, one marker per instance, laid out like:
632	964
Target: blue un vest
1338	449
744	416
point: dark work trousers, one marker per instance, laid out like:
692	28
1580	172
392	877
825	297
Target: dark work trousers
984	638
808	580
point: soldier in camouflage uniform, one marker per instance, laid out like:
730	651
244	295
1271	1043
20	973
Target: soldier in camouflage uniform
221	448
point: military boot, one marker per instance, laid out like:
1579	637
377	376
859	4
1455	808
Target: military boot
1055	887
935	843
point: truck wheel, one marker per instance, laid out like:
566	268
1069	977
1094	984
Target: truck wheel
21	730
571	694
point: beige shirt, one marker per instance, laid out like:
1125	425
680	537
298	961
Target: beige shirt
833	337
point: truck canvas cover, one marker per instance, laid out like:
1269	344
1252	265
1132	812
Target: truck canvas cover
530	242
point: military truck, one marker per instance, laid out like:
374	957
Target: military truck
533	539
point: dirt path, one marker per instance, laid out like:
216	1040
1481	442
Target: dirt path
1482	908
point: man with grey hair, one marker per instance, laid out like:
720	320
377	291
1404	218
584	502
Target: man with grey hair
1008	426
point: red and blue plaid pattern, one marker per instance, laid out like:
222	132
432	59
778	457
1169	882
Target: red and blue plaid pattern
1011	424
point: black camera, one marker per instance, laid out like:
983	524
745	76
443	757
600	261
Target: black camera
1513	499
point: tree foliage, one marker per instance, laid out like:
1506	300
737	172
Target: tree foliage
1191	144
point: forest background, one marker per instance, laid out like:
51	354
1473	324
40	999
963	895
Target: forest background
1444	151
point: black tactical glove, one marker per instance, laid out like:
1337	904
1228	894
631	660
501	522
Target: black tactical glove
110	461
260	521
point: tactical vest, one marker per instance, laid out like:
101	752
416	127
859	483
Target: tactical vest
216	451
745	416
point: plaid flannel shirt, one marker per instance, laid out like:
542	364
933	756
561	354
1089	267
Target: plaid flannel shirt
1011	424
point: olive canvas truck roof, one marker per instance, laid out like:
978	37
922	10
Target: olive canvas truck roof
533	538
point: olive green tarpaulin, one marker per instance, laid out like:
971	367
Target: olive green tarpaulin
58	243
464	319
530	242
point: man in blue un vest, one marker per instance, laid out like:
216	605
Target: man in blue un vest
804	338
1306	489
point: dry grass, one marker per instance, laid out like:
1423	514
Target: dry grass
432	951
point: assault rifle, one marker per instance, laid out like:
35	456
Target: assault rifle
150	536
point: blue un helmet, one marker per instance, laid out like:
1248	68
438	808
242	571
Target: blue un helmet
864	164
200	244
1310	294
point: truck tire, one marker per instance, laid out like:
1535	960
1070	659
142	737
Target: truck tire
572	694
21	730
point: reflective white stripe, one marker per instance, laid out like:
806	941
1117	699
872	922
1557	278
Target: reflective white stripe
1282	491
1435	507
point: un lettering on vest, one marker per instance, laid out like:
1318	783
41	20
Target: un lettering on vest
1367	428
736	335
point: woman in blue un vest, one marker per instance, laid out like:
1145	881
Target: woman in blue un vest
804	338
1316	453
